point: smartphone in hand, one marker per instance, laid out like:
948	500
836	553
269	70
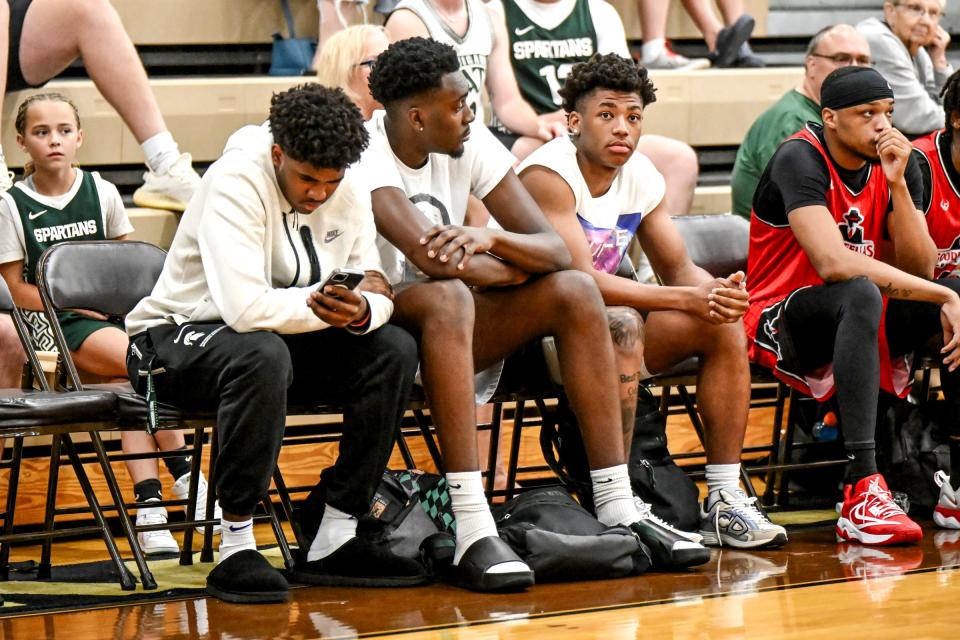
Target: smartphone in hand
342	277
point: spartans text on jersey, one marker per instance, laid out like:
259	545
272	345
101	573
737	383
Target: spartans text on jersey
568	48
65	231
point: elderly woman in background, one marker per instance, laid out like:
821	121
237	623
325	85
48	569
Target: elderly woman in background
346	59
909	49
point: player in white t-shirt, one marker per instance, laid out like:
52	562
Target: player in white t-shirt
598	194
474	295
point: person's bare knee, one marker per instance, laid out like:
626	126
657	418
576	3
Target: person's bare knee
447	306
574	297
626	329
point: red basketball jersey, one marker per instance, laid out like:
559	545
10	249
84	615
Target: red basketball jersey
943	212
777	264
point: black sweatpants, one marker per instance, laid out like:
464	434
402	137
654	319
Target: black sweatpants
839	323
249	378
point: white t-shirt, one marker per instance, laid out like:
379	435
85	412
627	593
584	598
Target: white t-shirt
610	220
439	189
115	221
473	48
611	37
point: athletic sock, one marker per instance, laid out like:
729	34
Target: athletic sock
474	520
613	497
161	151
146	490
178	466
651	49
336	529
236	536
722	476
863	461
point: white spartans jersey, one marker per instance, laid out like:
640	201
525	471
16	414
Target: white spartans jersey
473	48
610	220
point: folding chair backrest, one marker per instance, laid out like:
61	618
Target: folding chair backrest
7	306
716	243
106	276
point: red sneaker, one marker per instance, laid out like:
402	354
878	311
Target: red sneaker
870	516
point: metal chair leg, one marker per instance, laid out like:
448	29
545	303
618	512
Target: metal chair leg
776	436
278	532
515	440
146	576
53	478
429	440
12	485
494	452
127	581
287	506
405	450
186	551
206	553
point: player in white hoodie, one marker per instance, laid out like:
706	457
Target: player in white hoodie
235	323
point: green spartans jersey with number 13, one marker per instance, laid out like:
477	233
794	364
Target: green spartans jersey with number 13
542	58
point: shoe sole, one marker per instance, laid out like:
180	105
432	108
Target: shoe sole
740	32
945	522
710	539
496	582
846	532
327	580
248	597
150	200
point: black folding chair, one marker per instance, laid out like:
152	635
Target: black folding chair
25	412
111	277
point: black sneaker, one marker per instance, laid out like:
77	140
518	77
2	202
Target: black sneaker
669	548
247	577
729	40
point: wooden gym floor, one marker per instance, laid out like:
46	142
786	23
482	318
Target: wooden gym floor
811	588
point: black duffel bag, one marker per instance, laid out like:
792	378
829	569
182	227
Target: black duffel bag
655	477
561	541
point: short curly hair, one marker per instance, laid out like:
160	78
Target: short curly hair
607	71
318	125
409	67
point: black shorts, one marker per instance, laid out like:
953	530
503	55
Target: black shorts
506	138
15	80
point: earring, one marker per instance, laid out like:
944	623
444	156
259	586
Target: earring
421	129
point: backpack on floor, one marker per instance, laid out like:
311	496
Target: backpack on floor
654	475
408	507
561	541
911	447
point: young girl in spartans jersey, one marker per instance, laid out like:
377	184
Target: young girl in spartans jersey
58	202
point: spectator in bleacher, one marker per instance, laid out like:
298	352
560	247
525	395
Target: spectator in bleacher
938	155
482	45
727	46
832	47
45	36
653	327
57	202
475	295
275	215
909	47
547	26
827	314
656	52
11	356
347	61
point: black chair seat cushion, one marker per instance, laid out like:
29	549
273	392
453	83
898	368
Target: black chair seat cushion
132	407
24	408
684	368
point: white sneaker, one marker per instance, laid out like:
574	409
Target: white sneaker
159	541
731	518
171	190
671	60
647	513
947	513
182	487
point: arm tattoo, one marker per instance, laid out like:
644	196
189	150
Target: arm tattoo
892	292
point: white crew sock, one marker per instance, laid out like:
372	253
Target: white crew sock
236	536
722	476
336	529
161	151
613	497
651	49
474	520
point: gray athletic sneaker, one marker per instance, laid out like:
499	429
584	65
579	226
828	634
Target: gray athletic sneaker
730	518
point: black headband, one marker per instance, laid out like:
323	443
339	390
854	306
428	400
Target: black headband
852	86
